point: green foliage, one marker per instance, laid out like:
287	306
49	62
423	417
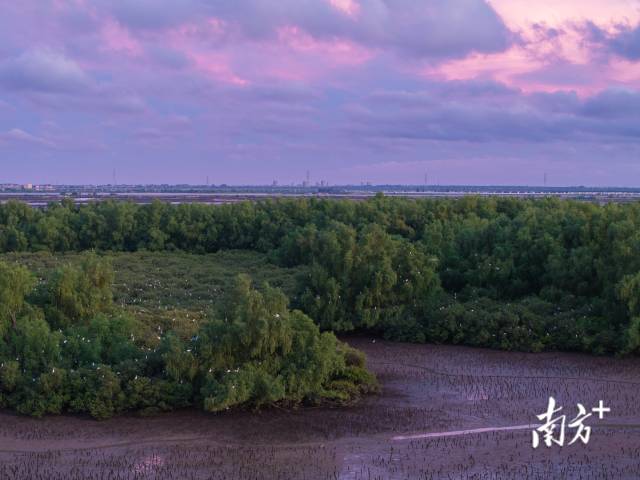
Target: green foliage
173	327
258	352
97	391
629	293
376	281
15	284
77	294
9	375
164	281
253	352
34	345
179	362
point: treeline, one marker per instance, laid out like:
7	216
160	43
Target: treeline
496	272
64	347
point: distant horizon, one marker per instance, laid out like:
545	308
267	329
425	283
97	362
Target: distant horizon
301	186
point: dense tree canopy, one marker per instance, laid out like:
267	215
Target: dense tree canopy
15	283
79	294
259	352
498	272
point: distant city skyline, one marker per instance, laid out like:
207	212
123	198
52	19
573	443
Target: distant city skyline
469	92
408	187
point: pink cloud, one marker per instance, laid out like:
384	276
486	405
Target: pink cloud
296	56
625	72
217	66
548	58
521	13
201	42
293	55
117	38
348	7
336	52
518	68
502	67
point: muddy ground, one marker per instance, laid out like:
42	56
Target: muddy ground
425	390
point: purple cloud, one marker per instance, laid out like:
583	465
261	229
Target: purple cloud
248	91
151	14
614	102
43	70
560	73
431	28
168	57
627	43
624	42
608	116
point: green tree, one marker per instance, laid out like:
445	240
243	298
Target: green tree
15	284
35	346
77	294
629	293
258	352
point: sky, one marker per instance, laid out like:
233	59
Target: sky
383	91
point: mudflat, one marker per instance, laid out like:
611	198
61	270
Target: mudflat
443	412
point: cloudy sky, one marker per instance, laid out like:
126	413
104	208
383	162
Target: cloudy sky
251	91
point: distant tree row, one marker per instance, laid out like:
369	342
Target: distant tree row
497	272
65	348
